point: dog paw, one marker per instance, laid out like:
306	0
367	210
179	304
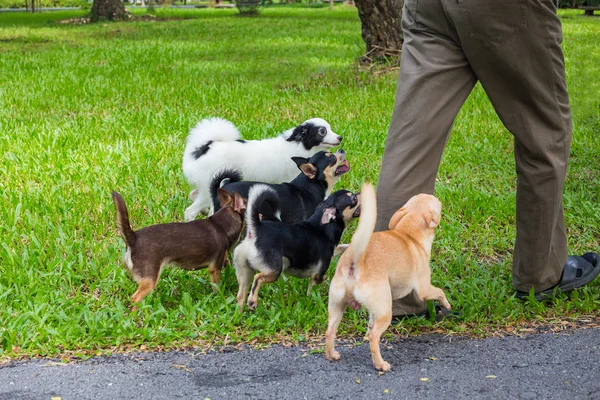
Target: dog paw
189	216
252	305
447	305
332	356
384	366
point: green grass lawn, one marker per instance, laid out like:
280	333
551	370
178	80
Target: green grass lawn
92	108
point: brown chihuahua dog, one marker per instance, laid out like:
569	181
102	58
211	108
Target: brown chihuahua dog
188	245
380	267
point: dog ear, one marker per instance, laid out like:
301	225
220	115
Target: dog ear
298	133
432	219
299	161
398	215
309	170
224	197
239	203
329	214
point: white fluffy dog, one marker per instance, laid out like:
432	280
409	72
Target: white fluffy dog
215	143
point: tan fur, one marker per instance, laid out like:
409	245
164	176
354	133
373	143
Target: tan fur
330	177
380	267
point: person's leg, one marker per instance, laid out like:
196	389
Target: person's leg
435	80
515	51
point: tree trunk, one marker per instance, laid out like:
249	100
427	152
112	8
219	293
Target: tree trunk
381	30
113	10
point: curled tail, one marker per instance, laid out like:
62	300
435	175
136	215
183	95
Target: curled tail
256	197
123	220
220	178
201	137
366	223
215	129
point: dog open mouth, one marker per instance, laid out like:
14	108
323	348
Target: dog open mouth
356	212
342	169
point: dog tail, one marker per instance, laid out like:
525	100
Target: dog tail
366	223
202	135
221	178
123	220
256	197
212	129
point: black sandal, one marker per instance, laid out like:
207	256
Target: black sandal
578	272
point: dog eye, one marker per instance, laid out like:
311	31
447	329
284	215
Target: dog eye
322	131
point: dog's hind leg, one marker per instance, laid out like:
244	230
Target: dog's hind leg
243	274
379	303
145	286
336	308
314	280
259	279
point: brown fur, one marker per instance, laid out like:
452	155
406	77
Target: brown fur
188	245
380	267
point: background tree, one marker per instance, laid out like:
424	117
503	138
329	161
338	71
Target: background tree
381	31
113	10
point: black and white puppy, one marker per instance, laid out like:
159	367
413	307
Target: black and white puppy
300	197
303	250
215	143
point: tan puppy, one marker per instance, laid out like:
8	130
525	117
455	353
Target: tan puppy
380	267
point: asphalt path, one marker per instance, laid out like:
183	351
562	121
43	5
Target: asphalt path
544	366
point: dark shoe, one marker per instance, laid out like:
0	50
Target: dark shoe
440	314
578	272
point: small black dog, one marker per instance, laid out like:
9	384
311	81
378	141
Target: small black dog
303	250
300	197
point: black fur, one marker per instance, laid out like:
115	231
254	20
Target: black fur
229	174
309	134
200	151
304	244
299	198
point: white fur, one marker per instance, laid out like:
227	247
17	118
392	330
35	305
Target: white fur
127	259
267	160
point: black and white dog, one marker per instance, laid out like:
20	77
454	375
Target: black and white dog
303	250
300	197
215	143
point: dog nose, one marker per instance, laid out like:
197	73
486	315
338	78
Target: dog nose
339	138
341	152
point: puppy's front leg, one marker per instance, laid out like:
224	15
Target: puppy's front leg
214	269
428	292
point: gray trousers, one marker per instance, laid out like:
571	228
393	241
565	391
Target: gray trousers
513	47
